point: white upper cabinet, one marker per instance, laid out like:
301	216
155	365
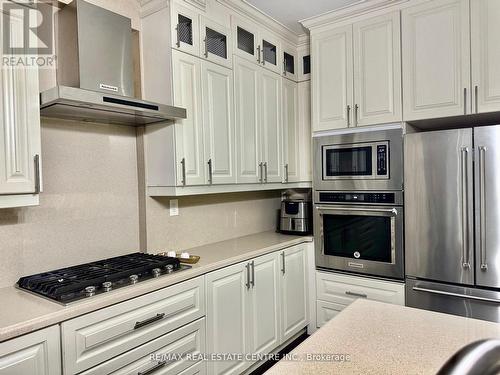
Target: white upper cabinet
185	29
290	105
271	142
216	42
247	120
485	31
19	127
289	61
270	52
377	70
217	89
245	39
436	59
304	63
189	131
332	86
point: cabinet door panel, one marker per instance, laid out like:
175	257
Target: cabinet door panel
377	70
305	140
264	305
227	316
485	31
290	131
271	126
185	29
189	131
270	52
436	59
293	291
216	43
19	120
245	39
247	120
218	122
332	79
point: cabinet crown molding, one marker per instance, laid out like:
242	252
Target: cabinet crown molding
362	7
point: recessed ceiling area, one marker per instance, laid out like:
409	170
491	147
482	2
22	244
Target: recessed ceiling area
290	12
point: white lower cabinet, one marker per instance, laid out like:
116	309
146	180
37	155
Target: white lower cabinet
336	291
120	330
255	306
37	353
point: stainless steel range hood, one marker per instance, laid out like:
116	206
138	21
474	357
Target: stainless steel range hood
95	71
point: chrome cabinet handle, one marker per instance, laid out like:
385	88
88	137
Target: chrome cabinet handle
451	294
183	164
348	115
356	115
286	172
476	93
465	100
206	48
353	294
210	172
259	53
178	43
284	67
37	173
265	171
153	369
260	172
247	284
482	208
149	321
464	151
283	269
252	264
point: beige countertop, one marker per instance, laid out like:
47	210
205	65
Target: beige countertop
22	312
379	338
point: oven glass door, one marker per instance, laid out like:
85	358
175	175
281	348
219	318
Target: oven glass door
359	234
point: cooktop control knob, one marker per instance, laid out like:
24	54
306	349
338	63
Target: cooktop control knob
90	291
106	286
156	272
169	268
133	279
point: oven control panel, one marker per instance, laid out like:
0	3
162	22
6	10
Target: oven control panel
334	197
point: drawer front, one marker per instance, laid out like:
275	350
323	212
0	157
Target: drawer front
199	368
326	311
37	353
96	337
344	289
174	347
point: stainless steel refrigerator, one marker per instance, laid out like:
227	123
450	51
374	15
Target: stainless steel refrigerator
452	221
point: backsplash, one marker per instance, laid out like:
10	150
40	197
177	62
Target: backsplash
88	209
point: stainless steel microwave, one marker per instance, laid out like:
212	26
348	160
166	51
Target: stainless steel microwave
359	161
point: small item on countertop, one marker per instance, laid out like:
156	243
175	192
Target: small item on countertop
171	254
192	259
184	255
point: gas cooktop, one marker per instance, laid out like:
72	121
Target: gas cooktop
86	280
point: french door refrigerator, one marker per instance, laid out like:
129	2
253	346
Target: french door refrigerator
452	221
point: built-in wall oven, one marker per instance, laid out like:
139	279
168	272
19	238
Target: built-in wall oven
358	199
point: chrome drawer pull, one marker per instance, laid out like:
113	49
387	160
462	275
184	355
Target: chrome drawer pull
149	321
153	369
360	295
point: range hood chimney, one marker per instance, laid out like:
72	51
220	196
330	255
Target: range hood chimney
95	72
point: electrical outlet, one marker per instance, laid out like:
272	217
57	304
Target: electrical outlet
174	207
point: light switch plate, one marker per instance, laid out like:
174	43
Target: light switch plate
174	207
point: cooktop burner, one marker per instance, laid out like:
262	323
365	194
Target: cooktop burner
86	280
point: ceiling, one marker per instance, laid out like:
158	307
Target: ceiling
290	12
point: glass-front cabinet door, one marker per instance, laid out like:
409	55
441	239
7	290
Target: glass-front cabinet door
270	51
304	63
289	61
185	30
245	39
216	43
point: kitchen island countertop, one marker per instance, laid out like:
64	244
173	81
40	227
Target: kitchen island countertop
371	337
22	312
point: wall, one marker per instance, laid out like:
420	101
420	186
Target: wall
209	218
88	209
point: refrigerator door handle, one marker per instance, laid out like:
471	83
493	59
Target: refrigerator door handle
464	153
482	209
451	294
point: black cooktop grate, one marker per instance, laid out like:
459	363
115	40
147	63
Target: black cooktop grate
68	284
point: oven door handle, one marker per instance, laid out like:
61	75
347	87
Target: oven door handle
349	210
